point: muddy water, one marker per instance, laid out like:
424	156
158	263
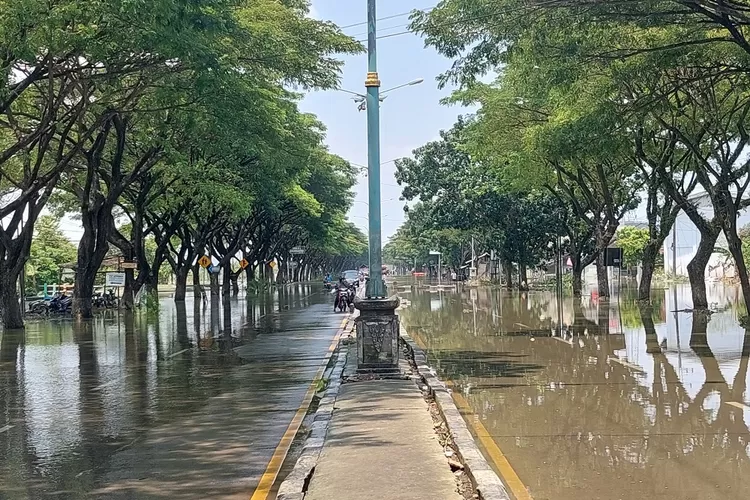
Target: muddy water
598	399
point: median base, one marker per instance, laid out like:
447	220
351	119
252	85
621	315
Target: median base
377	335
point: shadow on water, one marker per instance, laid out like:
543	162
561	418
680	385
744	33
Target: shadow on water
613	397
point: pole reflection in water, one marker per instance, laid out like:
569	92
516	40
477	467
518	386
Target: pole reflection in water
623	404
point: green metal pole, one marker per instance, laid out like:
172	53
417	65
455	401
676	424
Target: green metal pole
375	288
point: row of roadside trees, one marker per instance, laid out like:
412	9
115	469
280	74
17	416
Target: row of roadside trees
173	125
597	107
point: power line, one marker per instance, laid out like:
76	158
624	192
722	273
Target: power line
394	16
450	23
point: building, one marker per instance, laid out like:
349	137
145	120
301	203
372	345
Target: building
687	237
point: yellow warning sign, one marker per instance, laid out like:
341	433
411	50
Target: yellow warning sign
244	263
204	261
272	264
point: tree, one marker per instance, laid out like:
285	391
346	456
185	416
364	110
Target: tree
664	80
100	105
49	250
633	241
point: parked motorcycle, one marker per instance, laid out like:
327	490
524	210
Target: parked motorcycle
39	307
60	304
106	300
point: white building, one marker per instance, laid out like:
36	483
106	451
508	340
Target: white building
688	237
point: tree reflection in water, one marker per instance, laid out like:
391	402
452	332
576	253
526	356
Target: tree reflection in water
596	424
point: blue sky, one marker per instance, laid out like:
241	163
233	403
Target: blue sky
409	117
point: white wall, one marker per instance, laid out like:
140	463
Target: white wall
688	238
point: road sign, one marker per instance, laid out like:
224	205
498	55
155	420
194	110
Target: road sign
434	252
204	261
213	269
297	251
244	263
115	279
129	265
272	264
613	257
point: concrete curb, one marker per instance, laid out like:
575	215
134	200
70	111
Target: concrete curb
295	484
484	479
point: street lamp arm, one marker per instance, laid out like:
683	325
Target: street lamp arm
352	93
413	82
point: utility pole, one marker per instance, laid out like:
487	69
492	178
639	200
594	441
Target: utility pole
473	270
377	324
674	250
375	288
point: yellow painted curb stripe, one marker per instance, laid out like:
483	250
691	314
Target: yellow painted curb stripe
508	474
514	483
279	455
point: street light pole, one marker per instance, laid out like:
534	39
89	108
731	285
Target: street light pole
375	287
377	324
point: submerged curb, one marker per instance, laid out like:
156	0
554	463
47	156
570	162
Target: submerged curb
483	478
295	484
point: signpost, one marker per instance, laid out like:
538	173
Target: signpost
244	263
115	279
297	251
204	261
129	265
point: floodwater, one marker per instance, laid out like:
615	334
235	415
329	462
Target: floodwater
187	403
618	403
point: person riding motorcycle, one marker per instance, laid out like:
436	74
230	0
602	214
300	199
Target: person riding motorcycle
342	284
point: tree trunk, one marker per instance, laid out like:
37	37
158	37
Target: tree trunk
180	290
83	292
697	269
648	264
92	249
215	291
523	279
282	272
735	248
128	291
508	268
10	305
577	279
197	281
235	277
226	282
602	276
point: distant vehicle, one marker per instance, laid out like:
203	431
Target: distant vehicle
350	276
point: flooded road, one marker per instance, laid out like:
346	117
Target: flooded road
187	403
619	403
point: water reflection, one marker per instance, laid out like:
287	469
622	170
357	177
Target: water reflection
618	398
74	396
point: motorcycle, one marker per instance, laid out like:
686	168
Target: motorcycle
344	299
327	285
60	304
39	307
107	300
